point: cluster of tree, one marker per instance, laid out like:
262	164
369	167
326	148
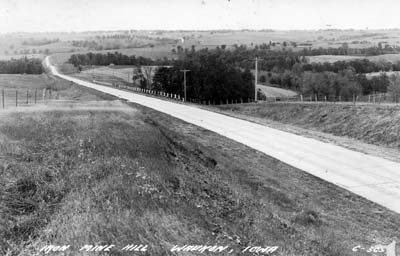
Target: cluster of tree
212	77
359	66
39	42
116	58
344	84
21	66
278	61
28	51
110	44
131	37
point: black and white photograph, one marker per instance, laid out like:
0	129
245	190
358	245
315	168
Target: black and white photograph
199	127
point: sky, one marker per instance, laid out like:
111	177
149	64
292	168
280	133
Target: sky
84	15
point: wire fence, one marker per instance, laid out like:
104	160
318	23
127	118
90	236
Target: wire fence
24	97
11	98
178	97
376	98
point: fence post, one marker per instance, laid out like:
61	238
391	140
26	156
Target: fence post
27	95
35	95
2	96
301	97
16	98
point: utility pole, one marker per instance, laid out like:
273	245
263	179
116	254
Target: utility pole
256	80
184	82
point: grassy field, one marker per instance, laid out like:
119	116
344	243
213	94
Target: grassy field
45	87
270	91
123	73
25	81
97	171
394	58
374	124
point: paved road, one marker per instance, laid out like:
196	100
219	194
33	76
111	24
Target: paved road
372	177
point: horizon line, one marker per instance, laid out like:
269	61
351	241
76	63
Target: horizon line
200	30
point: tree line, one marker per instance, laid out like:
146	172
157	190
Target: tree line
220	73
344	83
21	66
28	51
211	77
39	42
116	58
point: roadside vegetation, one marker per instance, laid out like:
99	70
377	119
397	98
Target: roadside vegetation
373	124
101	172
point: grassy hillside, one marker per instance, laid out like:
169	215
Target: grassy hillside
89	174
375	124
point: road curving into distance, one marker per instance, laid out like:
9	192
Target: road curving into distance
371	177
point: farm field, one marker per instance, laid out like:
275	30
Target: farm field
13	46
315	38
394	58
46	87
25	81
